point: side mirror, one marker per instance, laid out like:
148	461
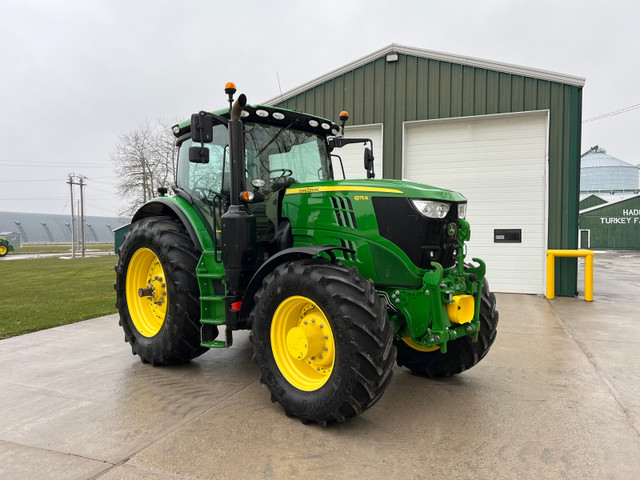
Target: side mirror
198	154
201	128
368	162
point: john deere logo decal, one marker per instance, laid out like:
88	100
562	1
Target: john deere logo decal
339	188
453	228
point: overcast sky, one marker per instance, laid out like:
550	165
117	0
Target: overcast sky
75	74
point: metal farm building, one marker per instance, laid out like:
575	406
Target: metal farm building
613	225
507	137
41	228
609	202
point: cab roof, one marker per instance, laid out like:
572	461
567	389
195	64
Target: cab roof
272	116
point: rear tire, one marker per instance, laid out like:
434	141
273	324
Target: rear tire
321	340
462	354
4	249
163	325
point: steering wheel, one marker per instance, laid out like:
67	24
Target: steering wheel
286	172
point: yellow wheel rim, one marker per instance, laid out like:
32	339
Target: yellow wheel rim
146	288
3	250
421	348
302	343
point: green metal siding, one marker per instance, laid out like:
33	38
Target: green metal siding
416	88
615	227
591	201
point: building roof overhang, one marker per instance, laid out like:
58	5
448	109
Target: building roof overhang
395	48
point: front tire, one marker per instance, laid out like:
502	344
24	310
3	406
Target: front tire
321	340
158	293
462	354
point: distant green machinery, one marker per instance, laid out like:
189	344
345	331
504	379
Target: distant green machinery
5	247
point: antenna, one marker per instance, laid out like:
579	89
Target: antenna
280	87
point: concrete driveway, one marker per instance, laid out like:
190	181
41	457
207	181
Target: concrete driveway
558	396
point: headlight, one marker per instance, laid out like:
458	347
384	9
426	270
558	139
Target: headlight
462	211
432	209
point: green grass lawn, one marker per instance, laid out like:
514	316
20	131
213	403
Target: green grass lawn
44	293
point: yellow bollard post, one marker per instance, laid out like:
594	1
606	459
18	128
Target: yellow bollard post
588	271
551	275
588	276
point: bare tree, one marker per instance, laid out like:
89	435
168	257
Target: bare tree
144	160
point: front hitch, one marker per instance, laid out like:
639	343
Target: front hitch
425	310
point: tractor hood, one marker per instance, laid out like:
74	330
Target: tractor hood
373	187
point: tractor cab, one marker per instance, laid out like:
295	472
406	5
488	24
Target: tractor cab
281	148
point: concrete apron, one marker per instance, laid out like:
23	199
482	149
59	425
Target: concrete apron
557	397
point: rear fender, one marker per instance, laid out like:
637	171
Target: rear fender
181	210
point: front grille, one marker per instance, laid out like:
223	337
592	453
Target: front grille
422	239
343	210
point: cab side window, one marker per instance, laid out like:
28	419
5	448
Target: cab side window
206	179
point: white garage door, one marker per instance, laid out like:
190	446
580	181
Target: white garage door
499	163
353	155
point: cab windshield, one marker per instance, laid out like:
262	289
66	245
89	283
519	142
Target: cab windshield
276	156
273	154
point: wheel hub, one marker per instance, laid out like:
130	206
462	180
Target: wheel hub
156	289
297	343
307	341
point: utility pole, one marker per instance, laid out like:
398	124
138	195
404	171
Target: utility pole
80	182
73	225
82	222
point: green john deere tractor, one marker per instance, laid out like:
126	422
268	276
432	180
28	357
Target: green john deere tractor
5	246
336	279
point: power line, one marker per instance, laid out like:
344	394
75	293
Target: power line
32	198
31	181
611	114
101	208
4	163
113	192
93	179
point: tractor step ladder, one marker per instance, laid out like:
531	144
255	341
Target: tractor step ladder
212	303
